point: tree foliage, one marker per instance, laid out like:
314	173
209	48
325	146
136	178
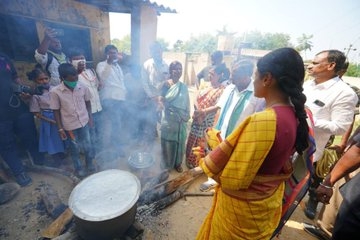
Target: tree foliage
264	41
178	46
164	44
304	43
353	70
123	45
202	43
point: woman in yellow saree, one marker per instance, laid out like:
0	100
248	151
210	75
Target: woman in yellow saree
253	162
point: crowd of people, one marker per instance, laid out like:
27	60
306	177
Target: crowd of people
247	124
82	111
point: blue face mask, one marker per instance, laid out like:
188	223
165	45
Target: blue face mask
70	84
45	86
40	88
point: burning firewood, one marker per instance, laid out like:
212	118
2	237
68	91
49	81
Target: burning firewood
151	183
148	194
163	189
154	208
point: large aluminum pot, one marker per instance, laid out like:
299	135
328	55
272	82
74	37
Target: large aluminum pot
104	204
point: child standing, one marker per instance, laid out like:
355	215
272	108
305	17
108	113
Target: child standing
70	101
88	78
50	141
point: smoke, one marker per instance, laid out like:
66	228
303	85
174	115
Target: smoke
133	134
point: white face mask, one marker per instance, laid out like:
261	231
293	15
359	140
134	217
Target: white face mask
75	63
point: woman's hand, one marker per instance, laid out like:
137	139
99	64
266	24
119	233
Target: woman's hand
198	170
199	152
199	116
212	137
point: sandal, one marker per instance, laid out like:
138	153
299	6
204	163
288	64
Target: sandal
179	169
208	185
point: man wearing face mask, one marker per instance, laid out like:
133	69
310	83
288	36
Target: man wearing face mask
70	101
112	96
87	76
49	55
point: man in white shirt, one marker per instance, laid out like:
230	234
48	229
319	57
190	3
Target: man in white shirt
332	103
236	103
154	73
112	96
231	97
49	54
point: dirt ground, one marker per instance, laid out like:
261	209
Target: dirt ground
25	216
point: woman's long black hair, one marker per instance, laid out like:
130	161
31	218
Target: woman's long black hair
287	67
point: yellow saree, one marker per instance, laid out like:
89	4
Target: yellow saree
246	205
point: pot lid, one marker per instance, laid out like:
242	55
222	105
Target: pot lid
105	195
141	160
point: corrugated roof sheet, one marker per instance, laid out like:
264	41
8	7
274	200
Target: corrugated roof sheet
125	6
160	7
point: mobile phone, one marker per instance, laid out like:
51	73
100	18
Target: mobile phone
59	31
319	103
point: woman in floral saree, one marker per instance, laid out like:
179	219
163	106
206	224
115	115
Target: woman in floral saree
205	113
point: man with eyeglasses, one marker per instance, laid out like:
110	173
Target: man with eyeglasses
332	103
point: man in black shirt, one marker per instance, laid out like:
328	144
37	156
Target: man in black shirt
16	122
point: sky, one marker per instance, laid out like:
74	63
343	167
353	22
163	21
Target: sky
334	24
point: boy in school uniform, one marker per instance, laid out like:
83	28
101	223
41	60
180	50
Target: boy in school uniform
70	101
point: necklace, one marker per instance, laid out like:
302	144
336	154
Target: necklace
270	105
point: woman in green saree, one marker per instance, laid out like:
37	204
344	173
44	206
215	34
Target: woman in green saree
175	117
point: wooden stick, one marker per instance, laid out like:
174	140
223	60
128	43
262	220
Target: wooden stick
163	189
152	182
57	226
200	194
184	178
168	200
